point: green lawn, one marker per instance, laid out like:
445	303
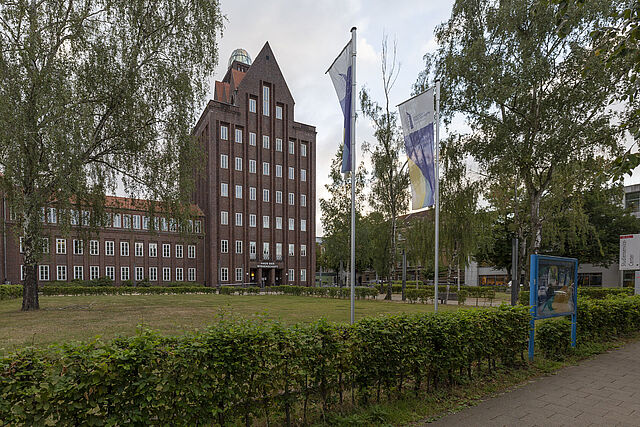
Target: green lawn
63	318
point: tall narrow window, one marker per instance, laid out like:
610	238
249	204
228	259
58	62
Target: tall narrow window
224	161
265	142
265	100
278	112
252	105
224	132
239	136
252	138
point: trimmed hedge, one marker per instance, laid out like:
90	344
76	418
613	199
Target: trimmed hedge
124	290
586	292
598	320
361	292
10	291
235	372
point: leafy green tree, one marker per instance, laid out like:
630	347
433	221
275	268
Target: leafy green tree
538	103
98	94
336	218
390	179
378	252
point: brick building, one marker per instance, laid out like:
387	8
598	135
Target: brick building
127	248
257	191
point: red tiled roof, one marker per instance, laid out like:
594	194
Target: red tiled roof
222	92
427	213
139	204
237	76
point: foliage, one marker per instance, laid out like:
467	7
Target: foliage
10	291
586	292
553	336
98	96
538	104
237	371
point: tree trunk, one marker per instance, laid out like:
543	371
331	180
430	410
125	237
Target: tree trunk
30	284
535	225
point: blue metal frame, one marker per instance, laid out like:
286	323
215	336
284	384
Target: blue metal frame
533	300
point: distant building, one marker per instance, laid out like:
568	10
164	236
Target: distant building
257	191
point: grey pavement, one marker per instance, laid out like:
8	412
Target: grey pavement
602	391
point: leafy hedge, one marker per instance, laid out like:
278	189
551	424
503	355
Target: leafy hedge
330	292
236	372
598	320
124	290
587	292
10	291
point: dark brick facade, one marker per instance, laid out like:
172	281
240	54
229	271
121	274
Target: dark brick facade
290	149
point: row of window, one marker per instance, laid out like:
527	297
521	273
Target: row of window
266	141
109	248
110	272
224	248
291	275
224	192
115	220
224	220
224	164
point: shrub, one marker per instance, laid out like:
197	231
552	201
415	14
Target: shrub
236	370
10	291
103	281
553	336
143	284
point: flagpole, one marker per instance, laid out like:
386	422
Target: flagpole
437	192
353	173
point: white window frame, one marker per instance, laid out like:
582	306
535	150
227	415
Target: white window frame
292	275
109	248
238	191
238	246
124	248
252	220
224	132
292	199
303	274
153	274
139	249
94	272
153	250
303	150
266	142
265	221
61	273
303	225
239	275
94	247
278	223
303	250
166	274
292	173
224	161
279	144
238	134
224	218
252	193
224	189
238	219
253	105
265	100
179	274
252	138
43	273
224	246
279	197
191	274
191	251
303	200
265	168
110	272
292	249
265	195
78	272
278	171
179	251
166	250
292	224
224	274
279	112
292	149
303	175
139	274
61	246
238	163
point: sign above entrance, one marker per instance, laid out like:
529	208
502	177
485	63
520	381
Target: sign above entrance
266	265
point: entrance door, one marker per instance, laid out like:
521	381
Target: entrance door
278	276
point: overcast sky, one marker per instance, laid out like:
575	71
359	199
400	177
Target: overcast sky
307	35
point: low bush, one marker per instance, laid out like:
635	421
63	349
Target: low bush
602	293
235	372
10	291
123	290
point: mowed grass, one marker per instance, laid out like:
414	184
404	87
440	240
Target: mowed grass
65	318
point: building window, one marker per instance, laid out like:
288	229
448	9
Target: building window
278	112
145	223
238	191
166	274
292	173
265	195
110	272
166	250
590	279
278	196
252	166
21	245
75	218
124	274
252	138
303	250
224	189
278	171
61	275
238	219
265	100
292	224
252	250
265	250
292	275
292	249
265	168
139	274
117	220
126	221
224	217
52	216
179	251
265	221
191	251
303	200
278	223
191	274
238	163
252	220
303	275
238	246
139	249
292	199
153	250
153	274
136	222
279	251
224	161
252	105
303	225
94	272
124	248
303	150
163	224
239	136
45	245
224	274
292	147
265	142
43	273
239	275
493	279
198	226
224	132
252	193
179	274
303	175
279	144
61	246
224	246
109	248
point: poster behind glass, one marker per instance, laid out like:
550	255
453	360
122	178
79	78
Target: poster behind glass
556	285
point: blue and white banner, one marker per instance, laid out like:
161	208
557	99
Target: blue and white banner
341	75
417	117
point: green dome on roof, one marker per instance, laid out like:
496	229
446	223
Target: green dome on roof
240	55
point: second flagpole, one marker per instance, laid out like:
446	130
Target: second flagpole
437	195
353	174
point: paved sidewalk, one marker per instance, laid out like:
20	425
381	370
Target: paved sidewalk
603	391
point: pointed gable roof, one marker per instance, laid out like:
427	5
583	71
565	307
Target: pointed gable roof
265	67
